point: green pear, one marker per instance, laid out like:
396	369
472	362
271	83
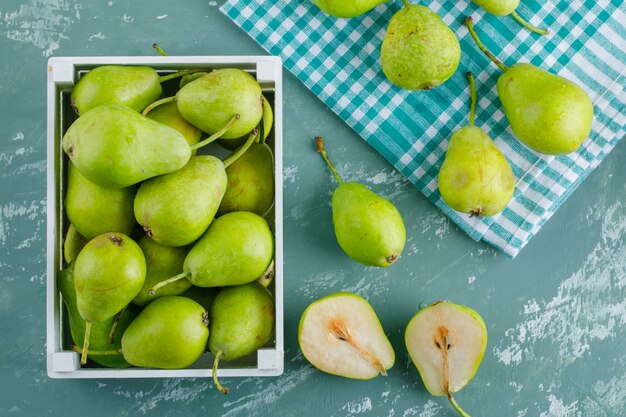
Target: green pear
340	334
114	146
368	227
100	332
210	102
236	249
170	333
548	113
161	262
267	123
242	321
202	296
505	8
419	50
94	209
108	273
250	182
175	209
446	342
186	79
475	176
74	242
132	86
347	8
169	115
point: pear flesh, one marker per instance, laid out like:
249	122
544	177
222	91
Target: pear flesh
549	113
446	342
132	86
94	210
340	334
170	333
176	209
209	102
347	8
114	146
419	51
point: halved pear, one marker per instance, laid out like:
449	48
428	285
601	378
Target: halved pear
446	342
340	334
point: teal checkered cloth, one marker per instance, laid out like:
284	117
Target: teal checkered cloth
338	59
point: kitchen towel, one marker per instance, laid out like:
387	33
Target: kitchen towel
339	60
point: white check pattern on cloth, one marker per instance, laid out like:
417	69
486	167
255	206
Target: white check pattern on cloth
339	60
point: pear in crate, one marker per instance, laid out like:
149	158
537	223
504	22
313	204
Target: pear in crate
94	209
175	209
211	101
74	242
548	113
161	262
100	331
340	334
419	51
170	333
169	115
368	227
108	273
242	321
132	86
114	146
236	249
505	8
347	8
446	342
475	176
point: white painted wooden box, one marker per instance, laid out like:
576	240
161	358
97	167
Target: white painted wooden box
63	72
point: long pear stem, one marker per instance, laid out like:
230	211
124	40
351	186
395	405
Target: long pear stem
470	26
157	104
216	362
242	149
457	407
181	73
83	356
406	3
319	141
161	284
116	323
98	352
158	48
215	136
529	26
472	84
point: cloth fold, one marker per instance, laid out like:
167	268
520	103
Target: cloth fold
339	61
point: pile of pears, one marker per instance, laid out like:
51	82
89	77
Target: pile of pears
168	253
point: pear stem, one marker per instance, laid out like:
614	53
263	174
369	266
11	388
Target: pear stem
157	104
118	317
158	48
215	136
472	84
470	26
181	73
168	281
242	149
457	407
406	3
98	352
219	386
83	356
319	141
529	26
